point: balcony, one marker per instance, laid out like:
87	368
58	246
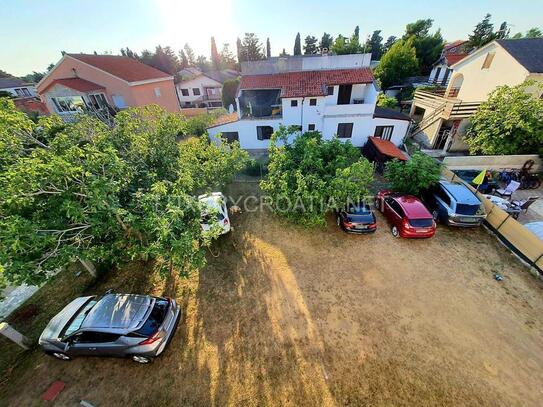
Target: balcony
348	110
445	102
260	104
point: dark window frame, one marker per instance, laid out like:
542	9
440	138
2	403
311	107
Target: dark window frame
293	103
196	91
311	127
184	92
230	136
345	130
263	132
384	132
313	102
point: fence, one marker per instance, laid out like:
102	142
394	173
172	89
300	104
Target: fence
492	162
513	234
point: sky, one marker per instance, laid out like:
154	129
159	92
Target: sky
34	32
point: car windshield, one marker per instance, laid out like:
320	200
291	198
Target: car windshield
421	223
359	213
208	217
76	321
155	318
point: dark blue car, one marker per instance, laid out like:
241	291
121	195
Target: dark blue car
454	204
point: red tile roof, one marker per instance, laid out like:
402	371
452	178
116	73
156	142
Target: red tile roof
454	58
31	104
306	83
79	84
386	147
224	119
454	44
122	67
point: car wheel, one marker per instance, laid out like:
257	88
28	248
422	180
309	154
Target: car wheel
435	215
395	231
141	359
61	356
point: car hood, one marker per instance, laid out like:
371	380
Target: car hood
59	321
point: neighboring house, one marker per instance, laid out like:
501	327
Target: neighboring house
335	95
442	115
450	55
105	83
202	89
17	88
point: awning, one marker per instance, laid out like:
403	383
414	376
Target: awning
387	148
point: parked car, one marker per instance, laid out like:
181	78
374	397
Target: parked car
214	209
454	204
125	325
357	218
407	215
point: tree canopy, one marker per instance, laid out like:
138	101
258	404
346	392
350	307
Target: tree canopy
427	46
105	195
297	45
413	176
310	176
310	46
483	33
250	49
399	62
326	41
229	89
375	45
510	121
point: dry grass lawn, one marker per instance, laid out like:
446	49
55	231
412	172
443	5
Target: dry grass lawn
287	316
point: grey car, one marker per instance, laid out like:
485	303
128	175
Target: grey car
125	325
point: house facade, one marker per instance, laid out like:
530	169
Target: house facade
202	89
335	95
450	55
104	83
17	88
442	115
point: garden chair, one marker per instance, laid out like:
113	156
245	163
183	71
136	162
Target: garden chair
525	204
508	190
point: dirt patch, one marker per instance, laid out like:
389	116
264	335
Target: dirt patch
288	316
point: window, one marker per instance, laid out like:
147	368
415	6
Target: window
488	60
312	102
436	76
196	91
185	92
95	337
230	136
187	104
396	207
156	318
344	130
264	132
98	101
118	101
330	90
22	92
310	127
441	194
76	321
384	132
293	103
157	92
69	104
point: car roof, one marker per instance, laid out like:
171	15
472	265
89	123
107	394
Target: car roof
412	206
461	193
213	200
118	312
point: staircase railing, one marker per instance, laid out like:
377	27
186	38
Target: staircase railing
428	121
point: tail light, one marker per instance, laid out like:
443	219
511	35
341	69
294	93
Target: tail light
152	339
348	224
372	225
406	224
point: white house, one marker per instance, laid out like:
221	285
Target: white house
17	87
335	95
450	55
442	115
202	89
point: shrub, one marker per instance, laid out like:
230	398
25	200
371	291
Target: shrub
387	101
413	176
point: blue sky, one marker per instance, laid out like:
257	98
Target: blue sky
34	32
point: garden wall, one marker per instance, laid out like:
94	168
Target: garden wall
492	162
512	233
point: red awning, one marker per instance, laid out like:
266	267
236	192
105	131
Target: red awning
387	148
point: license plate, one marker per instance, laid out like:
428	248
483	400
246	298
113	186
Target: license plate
360	226
421	230
467	220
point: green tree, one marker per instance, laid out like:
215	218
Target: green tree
215	57
387	101
127	52
297	45
310	176
84	191
510	121
483	33
283	53
375	45
399	62
356	33
202	63
251	49
428	46
229	90
389	43
183	60
228	61
310	46
4	74
190	54
534	33
343	45
326	41
268	48
164	59
413	176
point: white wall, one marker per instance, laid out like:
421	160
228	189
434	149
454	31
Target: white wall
199	82
478	83
336	62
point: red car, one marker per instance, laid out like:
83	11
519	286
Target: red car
408	216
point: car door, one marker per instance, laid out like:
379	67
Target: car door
93	343
388	210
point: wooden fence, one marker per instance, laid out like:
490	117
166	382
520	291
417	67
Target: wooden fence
512	233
